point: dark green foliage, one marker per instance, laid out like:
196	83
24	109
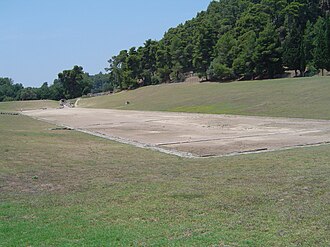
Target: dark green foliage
28	94
267	55
327	42
225	48
293	51
232	39
244	64
205	40
70	84
100	83
74	83
320	44
8	90
81	84
44	91
219	70
308	44
116	68
254	19
57	90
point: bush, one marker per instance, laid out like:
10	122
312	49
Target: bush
311	70
8	98
219	71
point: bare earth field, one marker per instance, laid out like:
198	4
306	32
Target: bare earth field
192	135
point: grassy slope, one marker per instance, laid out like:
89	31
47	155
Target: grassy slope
27	105
102	193
307	97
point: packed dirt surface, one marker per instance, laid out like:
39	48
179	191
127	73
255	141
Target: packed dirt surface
191	135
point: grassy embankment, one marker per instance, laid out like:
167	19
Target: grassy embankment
27	105
303	97
54	192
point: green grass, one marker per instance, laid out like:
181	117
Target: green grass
27	105
303	97
64	188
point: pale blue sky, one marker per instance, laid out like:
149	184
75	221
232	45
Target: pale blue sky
40	38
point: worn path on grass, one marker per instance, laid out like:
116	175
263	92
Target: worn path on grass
190	134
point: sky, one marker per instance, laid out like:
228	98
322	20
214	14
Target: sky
40	38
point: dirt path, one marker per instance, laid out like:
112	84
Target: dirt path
192	135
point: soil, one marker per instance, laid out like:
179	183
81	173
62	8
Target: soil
190	134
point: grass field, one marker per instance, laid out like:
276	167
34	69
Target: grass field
27	105
303	97
64	188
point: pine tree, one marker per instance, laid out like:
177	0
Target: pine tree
243	64
308	43
267	55
293	51
320	51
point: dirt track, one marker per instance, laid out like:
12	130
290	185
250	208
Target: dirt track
192	134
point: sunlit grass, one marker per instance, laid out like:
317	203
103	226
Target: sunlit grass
27	105
301	97
64	188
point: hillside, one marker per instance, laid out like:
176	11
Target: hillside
232	39
304	97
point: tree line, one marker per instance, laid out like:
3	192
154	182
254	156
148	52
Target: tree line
231	40
69	84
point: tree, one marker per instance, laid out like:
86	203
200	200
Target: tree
149	56
177	59
133	62
224	49
249	38
6	88
294	52
28	94
9	90
44	92
219	71
253	19
163	63
244	65
203	49
86	84
267	54
101	83
116	68
320	44
57	90
275	10
327	42
73	82
308	43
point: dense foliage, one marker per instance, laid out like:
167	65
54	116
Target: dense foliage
69	84
233	39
